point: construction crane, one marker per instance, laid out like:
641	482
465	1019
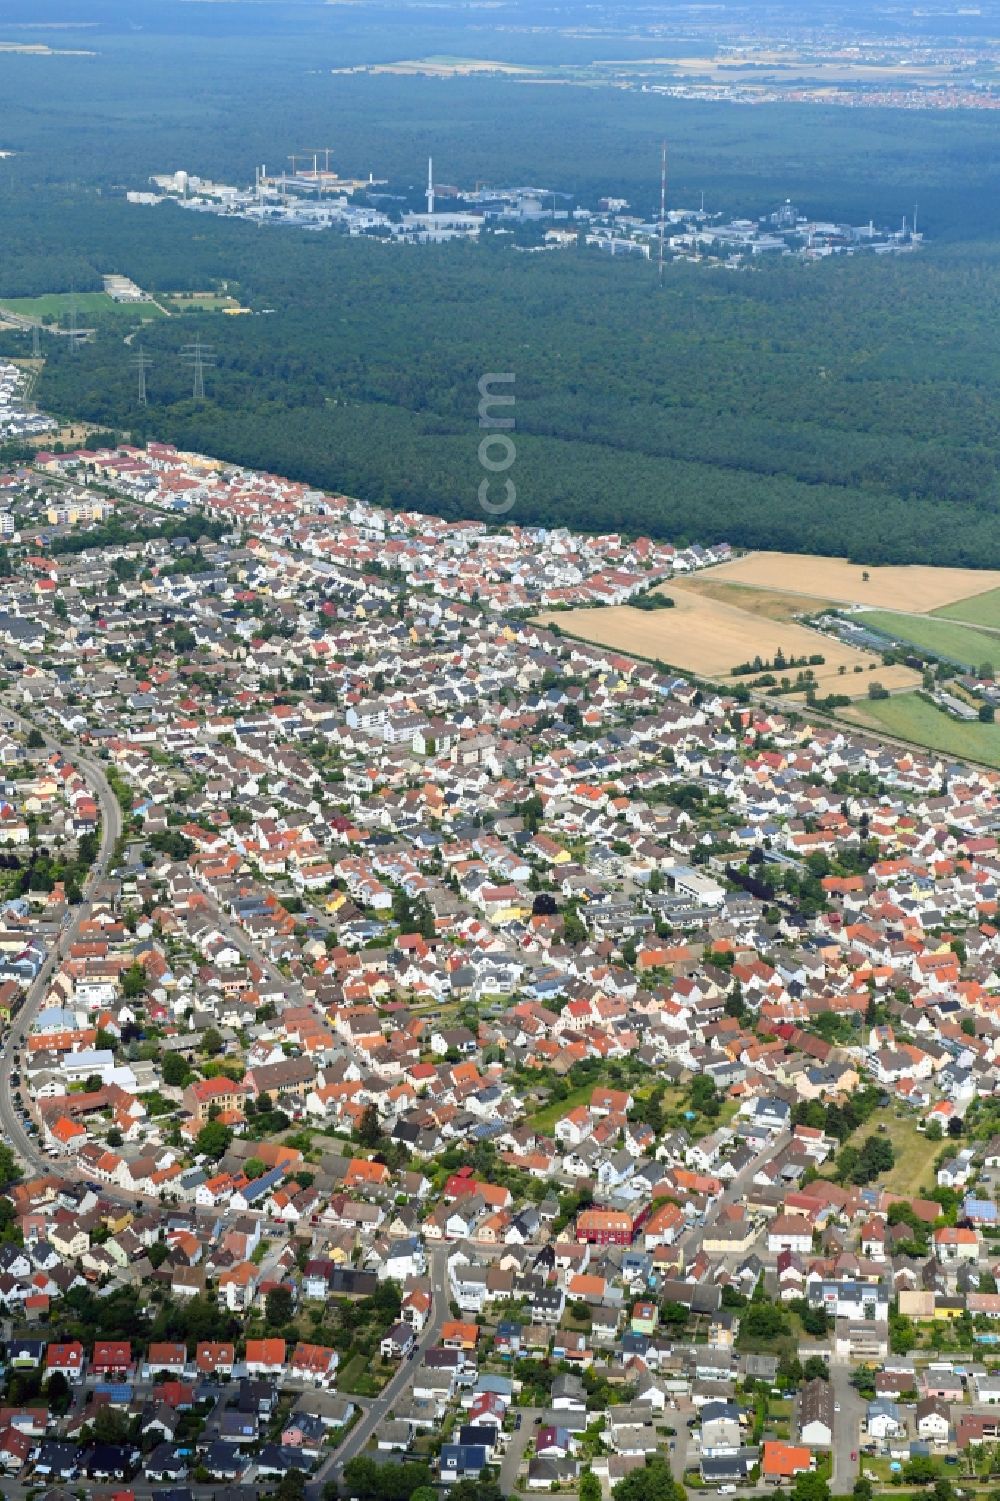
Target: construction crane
326	159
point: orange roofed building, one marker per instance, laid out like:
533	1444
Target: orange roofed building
783	1461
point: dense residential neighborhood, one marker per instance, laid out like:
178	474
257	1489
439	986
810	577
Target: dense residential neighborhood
441	1052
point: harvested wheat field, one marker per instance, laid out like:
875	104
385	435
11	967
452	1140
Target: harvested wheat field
914	589
709	637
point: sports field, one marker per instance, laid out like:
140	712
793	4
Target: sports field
57	305
204	302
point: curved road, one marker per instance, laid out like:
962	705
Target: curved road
14	1133
28	1148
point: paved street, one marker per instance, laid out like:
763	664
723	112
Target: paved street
846	1427
516	1445
362	1431
734	1193
14	1134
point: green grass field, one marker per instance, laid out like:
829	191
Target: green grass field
962	643
56	306
914	1154
194	302
980	609
675	1101
544	1120
362	1377
911	718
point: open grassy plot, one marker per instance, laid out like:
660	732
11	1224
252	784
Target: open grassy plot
771	603
704	1125
912	718
71	432
913	1168
891	588
57	305
674	1101
978	609
544	1120
948	638
205	302
362	1377
93	309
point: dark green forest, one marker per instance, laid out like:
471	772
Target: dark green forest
846	407
841	408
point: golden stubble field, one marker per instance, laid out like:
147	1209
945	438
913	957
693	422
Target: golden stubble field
709	637
917	589
747	608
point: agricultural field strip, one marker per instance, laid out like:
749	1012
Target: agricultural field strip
706	636
913	589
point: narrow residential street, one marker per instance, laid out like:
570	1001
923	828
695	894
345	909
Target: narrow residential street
377	1410
846	1429
516	1445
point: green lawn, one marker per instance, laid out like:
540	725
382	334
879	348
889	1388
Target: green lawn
544	1120
913	1168
947	638
56	305
361	1377
675	1102
705	1125
193	302
911	718
980	609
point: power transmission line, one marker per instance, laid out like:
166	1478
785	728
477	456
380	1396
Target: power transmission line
198	356
142	362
